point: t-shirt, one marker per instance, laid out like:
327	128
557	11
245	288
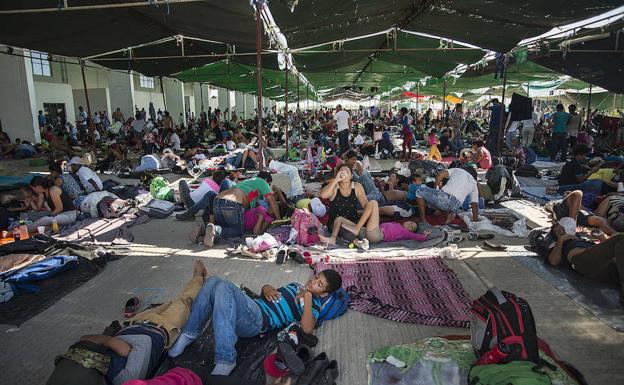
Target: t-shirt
286	310
255	189
486	162
461	184
70	186
82	118
230	145
147	344
85	174
359	140
174	139
342	120
570	171
433	140
560	122
138	125
377	136
393	231
405	123
411	191
206	186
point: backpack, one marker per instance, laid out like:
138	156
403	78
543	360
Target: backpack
158	208
307	226
501	320
512	373
37	271
528	171
333	306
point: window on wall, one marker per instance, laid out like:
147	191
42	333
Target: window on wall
40	63
146	81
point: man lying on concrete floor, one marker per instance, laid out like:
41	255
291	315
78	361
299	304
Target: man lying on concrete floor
571	206
234	314
133	352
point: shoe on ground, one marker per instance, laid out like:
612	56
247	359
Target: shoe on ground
210	235
313	369
327	376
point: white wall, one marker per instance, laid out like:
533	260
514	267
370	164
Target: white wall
56	93
250	105
174	96
142	99
18	110
121	92
240	104
99	100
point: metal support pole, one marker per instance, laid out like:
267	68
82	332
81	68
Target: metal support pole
162	89
259	5
444	101
286	109
298	97
417	98
501	129
307	97
589	102
201	96
84	82
528	89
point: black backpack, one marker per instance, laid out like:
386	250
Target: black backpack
499	318
528	171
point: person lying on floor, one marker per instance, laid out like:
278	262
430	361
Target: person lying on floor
229	207
369	230
571	206
461	184
234	314
602	262
133	352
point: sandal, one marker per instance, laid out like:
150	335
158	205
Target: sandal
493	246
132	307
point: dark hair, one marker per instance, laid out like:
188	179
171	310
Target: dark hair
478	143
218	176
350	154
472	171
580	149
404	110
559	107
433	131
415	176
572	108
334	280
342	165
41	181
265	175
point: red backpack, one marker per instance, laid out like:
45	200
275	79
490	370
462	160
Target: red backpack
307	226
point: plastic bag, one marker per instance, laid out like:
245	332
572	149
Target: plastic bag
159	188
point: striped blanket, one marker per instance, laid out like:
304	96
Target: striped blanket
421	290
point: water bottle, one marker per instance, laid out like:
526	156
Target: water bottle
23	230
16	233
55	227
314	259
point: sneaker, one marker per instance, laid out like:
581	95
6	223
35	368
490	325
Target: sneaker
185	216
210	235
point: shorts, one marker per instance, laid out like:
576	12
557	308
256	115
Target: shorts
439	199
374	236
560	209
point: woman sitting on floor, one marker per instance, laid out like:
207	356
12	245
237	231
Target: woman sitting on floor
62	209
369	230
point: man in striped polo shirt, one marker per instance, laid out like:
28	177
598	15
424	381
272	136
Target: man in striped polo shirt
234	314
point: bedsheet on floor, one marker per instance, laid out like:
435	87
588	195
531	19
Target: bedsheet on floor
421	290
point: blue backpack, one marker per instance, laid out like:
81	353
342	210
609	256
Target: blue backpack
43	269
333	306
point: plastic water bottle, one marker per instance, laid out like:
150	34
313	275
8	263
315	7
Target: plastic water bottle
23	230
16	233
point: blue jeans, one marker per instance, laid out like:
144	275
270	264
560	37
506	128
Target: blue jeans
439	199
204	203
559	143
233	314
372	192
589	186
228	218
235	160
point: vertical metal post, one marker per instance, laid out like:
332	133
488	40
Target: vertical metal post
298	97
201	96
259	5
84	82
286	108
501	129
444	101
528	89
162	89
417	98
307	97
589	102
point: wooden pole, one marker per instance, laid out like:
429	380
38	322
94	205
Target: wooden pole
84	82
259	5
286	109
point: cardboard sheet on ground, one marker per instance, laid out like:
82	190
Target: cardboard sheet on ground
599	299
435	360
421	290
519	228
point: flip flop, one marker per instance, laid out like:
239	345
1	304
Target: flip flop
132	307
493	246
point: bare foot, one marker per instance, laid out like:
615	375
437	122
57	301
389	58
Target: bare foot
350	228
329	241
200	270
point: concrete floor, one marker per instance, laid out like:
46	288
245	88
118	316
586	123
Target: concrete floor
162	258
